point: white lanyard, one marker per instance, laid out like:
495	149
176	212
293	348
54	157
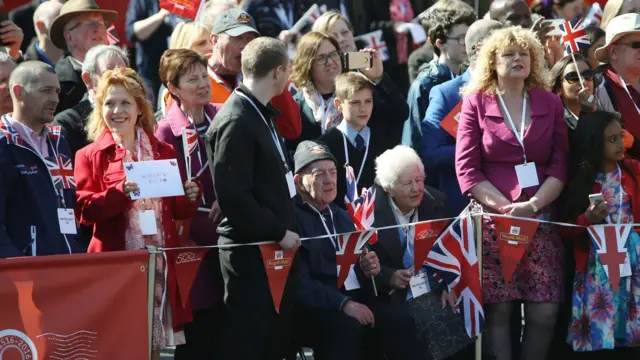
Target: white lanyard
273	134
519	136
620	198
624	86
364	159
326	228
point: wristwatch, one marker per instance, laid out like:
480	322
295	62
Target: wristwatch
534	207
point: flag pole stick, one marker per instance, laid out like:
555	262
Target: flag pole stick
151	276
478	223
373	280
577	70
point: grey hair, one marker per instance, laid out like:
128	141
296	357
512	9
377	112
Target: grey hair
5	58
391	163
28	73
90	64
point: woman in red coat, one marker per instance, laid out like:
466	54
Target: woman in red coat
121	128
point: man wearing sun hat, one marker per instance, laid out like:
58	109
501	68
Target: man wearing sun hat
621	53
80	26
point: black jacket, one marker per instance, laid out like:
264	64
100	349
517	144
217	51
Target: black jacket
23	17
73	122
248	173
72	88
317	287
267	20
389	107
388	248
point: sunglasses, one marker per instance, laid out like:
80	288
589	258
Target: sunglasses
633	45
573	77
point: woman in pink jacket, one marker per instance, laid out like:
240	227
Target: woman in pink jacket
511	157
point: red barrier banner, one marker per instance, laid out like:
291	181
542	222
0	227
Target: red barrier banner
71	307
277	263
186	263
426	235
514	237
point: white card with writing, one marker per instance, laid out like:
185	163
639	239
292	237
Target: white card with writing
291	184
527	175
419	285
156	179
148	224
67	221
352	282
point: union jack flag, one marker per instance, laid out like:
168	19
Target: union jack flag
10	133
610	241
189	140
362	209
594	16
453	258
112	35
61	171
375	41
352	191
574	36
348	250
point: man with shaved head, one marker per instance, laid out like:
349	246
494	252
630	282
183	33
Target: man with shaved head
37	187
511	13
41	47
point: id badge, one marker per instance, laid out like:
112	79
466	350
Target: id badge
419	285
527	175
67	221
148	222
291	184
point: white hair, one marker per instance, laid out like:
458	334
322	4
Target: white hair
90	64
391	163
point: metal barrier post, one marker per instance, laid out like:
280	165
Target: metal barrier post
478	228
151	289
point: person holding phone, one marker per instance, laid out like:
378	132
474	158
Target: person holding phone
318	62
603	189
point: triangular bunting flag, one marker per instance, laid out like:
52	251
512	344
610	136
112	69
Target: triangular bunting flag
610	241
186	263
426	235
348	252
514	237
277	263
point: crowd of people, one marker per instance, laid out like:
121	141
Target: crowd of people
489	113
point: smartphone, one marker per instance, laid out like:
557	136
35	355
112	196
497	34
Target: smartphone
595	198
358	60
556	26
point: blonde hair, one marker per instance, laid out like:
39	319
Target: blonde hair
325	23
306	53
349	83
128	79
484	76
611	9
185	33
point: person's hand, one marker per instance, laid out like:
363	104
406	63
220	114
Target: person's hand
288	36
164	13
520	209
400	279
12	36
553	49
541	28
290	242
597	212
130	187
449	298
370	264
587	99
376	72
359	312
192	191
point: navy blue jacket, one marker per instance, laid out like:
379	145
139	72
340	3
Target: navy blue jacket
318	278
28	200
438	147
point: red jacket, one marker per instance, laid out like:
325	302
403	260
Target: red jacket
102	202
581	254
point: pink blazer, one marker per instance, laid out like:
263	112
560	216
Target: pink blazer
487	149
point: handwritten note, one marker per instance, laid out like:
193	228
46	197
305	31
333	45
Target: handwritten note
156	179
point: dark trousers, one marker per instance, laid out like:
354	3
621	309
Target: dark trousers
203	335
394	331
332	334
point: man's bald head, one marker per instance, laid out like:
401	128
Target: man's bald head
34	90
511	13
29	74
44	15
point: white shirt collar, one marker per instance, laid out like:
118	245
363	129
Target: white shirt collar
402	219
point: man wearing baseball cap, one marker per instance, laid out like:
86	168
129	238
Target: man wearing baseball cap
326	318
232	30
621	53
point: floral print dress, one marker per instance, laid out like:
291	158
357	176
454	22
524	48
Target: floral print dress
602	319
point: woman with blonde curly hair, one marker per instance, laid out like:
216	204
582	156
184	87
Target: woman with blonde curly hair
121	127
511	157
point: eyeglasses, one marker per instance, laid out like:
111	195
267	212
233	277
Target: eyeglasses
633	45
324	59
90	24
573	77
459	39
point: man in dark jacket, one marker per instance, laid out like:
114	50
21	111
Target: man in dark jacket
338	319
80	26
37	189
255	188
41	47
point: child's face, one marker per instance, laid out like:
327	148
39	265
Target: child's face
613	146
357	109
